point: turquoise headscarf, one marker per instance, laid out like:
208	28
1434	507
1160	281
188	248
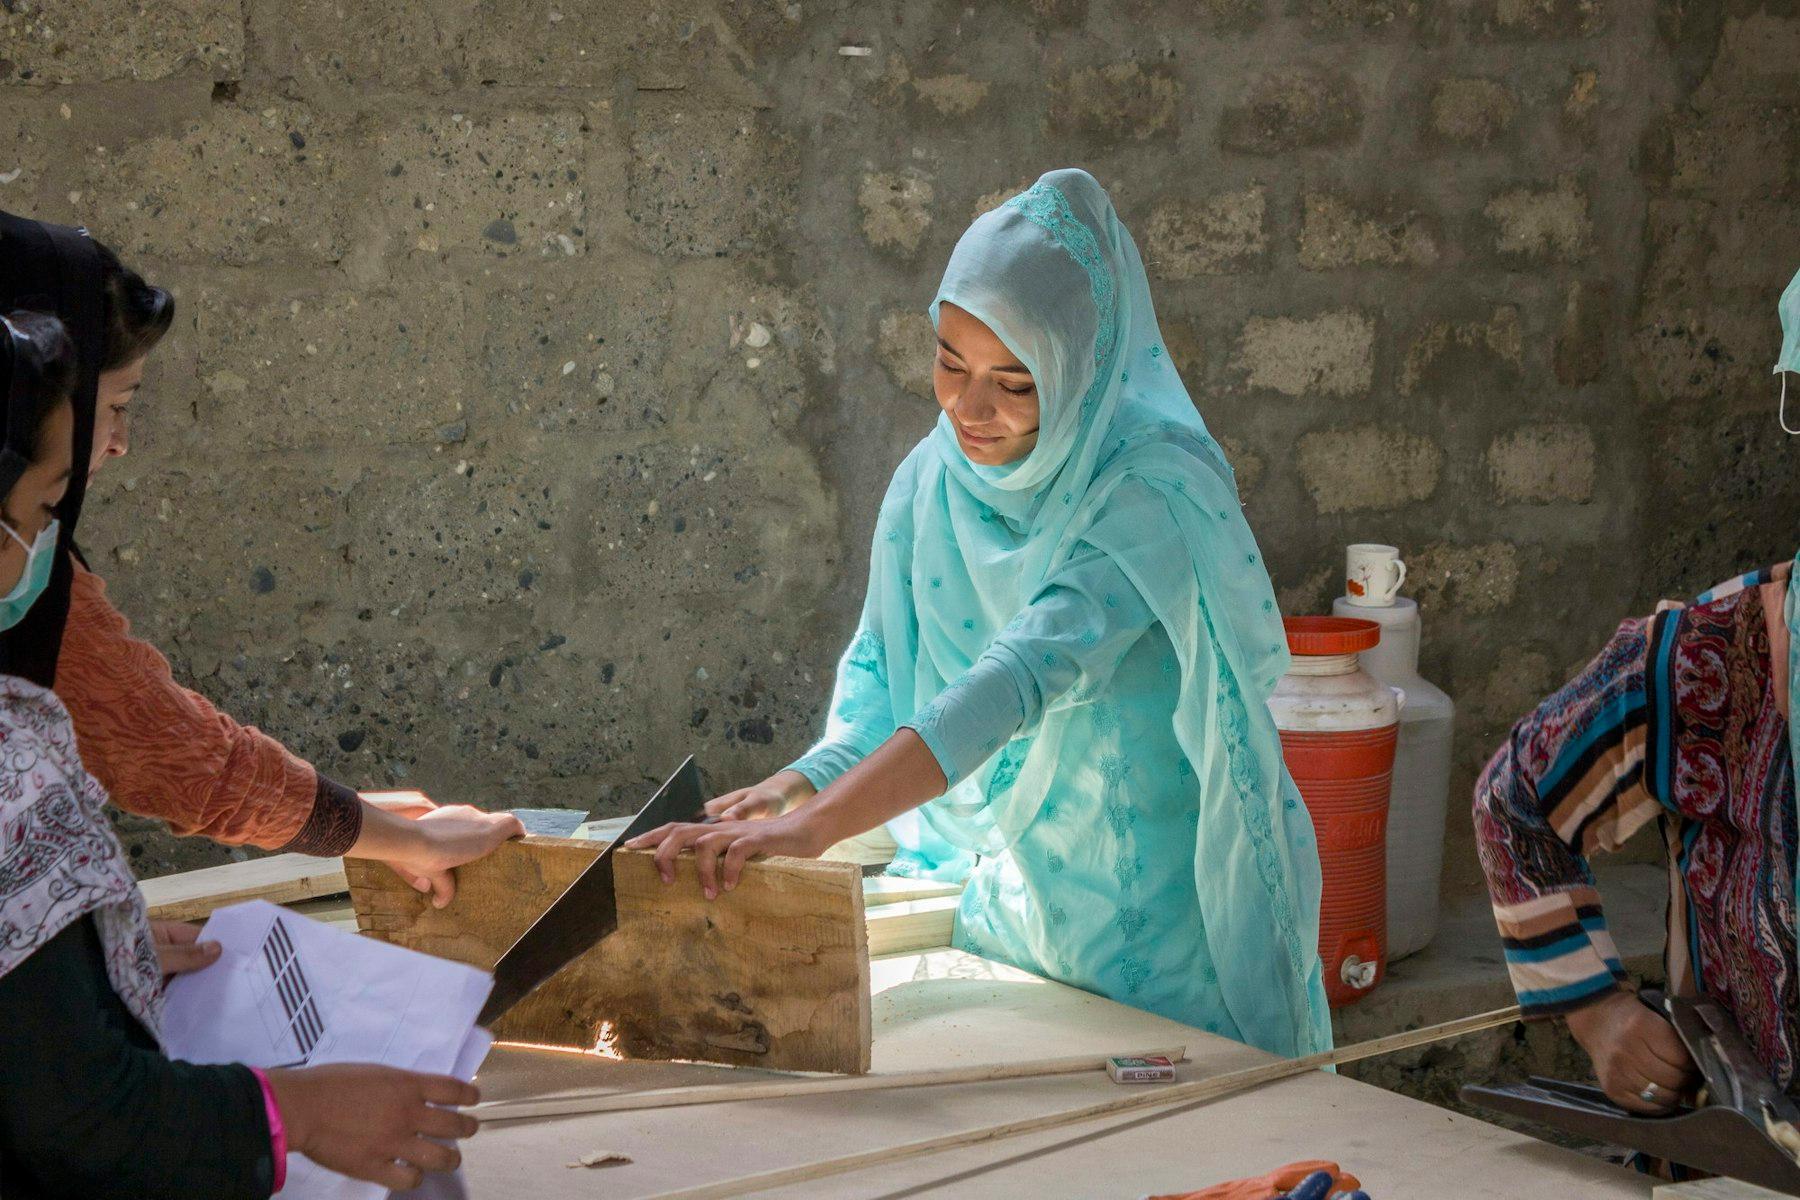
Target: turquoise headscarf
1058	279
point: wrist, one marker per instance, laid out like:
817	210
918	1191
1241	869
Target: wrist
811	826
793	787
1585	1020
282	1083
387	836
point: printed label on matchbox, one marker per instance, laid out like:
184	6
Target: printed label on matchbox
1141	1070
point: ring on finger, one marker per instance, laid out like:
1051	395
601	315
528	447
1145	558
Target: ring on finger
1651	1094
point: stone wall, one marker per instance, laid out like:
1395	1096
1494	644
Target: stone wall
540	363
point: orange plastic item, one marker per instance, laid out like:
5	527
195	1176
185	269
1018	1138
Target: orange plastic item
1339	727
1331	635
1264	1187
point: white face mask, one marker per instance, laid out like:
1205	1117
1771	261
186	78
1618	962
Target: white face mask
40	556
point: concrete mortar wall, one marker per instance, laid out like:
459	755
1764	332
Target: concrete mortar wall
540	363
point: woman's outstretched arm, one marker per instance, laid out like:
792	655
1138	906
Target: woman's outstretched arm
899	776
1068	639
162	750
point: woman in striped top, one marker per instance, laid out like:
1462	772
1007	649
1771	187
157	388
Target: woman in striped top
1683	718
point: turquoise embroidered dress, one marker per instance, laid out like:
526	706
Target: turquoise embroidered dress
1086	640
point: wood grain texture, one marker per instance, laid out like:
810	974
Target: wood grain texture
279	879
892	889
909	926
773	974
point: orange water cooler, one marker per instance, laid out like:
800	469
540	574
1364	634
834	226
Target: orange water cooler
1338	728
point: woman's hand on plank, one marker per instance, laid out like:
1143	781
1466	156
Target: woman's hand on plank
770	798
425	850
722	848
901	774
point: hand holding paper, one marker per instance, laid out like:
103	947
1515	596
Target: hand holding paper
383	1137
293	996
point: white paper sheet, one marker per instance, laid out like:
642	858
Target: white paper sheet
288	991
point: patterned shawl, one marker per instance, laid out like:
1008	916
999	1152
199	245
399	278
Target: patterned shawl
59	858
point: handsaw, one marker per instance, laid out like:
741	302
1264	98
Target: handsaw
587	910
1748	1129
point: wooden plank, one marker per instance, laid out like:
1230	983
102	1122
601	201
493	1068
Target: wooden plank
912	926
892	889
279	879
774	973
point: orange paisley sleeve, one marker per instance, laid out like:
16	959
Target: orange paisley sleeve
163	751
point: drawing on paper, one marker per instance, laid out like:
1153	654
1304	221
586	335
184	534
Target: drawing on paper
303	1025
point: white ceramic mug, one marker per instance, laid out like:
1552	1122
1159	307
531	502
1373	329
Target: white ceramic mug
1372	575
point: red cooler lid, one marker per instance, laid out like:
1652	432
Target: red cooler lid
1314	636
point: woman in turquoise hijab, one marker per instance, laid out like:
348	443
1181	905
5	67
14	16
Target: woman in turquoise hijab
1058	686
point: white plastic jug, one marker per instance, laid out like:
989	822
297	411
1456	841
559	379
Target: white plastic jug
1421	790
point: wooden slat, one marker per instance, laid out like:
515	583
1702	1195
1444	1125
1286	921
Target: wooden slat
773	974
912	926
891	889
787	1089
279	879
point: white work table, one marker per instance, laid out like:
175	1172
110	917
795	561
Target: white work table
943	1009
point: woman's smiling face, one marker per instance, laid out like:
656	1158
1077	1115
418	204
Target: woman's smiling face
990	397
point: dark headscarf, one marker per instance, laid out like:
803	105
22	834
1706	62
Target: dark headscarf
55	269
17	432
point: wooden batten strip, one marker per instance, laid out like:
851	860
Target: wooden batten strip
279	879
614	1101
912	926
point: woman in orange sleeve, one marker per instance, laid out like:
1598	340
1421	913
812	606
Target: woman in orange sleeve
162	750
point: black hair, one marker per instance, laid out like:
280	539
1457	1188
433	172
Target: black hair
138	314
42	374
